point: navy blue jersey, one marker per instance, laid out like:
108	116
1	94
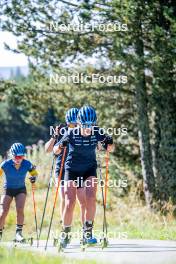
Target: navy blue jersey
59	157
81	149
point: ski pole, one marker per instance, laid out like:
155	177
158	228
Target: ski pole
103	198
35	212
46	199
107	174
56	195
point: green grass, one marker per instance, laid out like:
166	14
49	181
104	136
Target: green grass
126	217
16	256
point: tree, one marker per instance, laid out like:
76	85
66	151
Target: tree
136	53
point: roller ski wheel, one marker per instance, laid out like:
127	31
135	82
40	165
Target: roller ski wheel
30	240
61	247
104	243
65	238
18	242
22	241
63	244
83	244
55	242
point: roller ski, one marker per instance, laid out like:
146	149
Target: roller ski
65	239
87	240
104	242
19	239
55	238
55	241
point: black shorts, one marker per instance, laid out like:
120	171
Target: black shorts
14	192
80	176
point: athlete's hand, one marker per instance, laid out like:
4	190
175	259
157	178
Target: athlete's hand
108	143
57	130
32	179
64	143
110	148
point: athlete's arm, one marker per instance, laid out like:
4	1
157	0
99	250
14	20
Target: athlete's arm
50	143
105	140
61	144
57	149
108	143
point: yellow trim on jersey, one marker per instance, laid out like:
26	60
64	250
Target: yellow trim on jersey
33	173
1	172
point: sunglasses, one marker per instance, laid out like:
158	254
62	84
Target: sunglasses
19	157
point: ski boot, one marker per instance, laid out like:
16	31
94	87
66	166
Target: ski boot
88	239
65	238
19	237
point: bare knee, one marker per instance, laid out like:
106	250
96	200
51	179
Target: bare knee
90	194
4	212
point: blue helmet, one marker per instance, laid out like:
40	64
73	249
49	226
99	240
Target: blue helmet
17	149
71	115
87	115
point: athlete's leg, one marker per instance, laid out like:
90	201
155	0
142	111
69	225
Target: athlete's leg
62	204
81	195
20	203
90	189
70	200
6	201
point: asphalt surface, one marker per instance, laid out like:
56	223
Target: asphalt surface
117	252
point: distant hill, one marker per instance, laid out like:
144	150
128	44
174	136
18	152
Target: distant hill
11	72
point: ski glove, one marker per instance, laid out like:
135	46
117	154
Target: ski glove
32	179
65	142
108	141
58	128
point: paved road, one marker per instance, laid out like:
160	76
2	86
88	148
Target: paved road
118	251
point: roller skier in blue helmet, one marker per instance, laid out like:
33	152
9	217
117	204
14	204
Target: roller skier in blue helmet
71	122
14	171
80	169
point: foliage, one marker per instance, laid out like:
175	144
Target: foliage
145	53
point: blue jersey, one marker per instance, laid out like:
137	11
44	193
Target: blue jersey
81	149
15	178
